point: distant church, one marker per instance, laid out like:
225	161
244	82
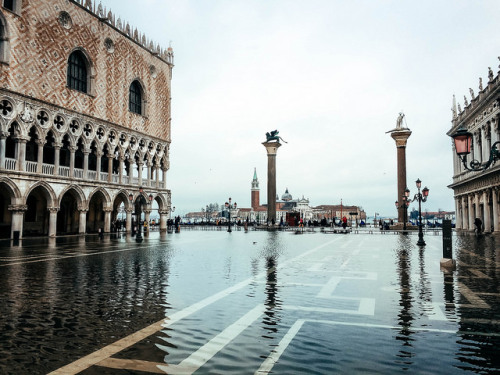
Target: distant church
258	212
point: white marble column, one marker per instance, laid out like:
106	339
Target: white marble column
40	144
163	220
128	224
53	221
458	212
3	138
21	155
17	213
98	166
470	202
107	220
110	167
139	172
57	154
496	210
82	225
72	150
487	213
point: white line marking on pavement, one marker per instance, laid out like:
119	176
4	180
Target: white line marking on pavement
211	348
329	288
276	353
113	348
270	361
366	307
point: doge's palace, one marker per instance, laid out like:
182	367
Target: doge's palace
84	120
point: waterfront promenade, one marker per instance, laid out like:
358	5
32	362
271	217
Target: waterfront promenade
212	302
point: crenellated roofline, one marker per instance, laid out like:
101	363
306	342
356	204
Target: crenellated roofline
124	28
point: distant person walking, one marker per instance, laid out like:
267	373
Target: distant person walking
344	222
479	226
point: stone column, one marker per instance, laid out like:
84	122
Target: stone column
465	210
21	155
139	173
147	214
98	165
17	213
110	167
39	165
272	150
487	213
470	202
496	219
148	166
120	169
53	221
72	150
131	162
86	153
3	137
57	149
477	211
163	220
164	177
82	225
107	220
128	224
157	175
458	213
401	138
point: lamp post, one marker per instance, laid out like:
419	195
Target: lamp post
463	147
229	207
420	197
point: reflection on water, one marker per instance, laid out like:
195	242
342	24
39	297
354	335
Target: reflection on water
273	304
405	315
477	280
53	306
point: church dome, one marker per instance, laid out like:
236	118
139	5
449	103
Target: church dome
287	196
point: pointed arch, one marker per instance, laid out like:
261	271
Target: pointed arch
49	193
10	187
78	193
107	197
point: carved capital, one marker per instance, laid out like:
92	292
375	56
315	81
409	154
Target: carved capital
53	209
18	207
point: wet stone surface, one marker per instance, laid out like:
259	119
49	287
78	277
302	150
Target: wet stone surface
258	302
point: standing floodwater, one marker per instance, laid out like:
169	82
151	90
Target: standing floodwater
240	303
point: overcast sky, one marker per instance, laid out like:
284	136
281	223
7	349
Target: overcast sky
332	77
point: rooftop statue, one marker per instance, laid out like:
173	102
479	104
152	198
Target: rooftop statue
273	136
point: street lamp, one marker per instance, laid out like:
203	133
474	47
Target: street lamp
229	207
463	147
420	197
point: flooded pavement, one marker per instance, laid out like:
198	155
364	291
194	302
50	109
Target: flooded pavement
243	303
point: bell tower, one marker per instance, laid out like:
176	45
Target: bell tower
255	199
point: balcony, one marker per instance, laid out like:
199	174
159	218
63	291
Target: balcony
31	167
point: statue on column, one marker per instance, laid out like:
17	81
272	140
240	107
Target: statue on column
273	136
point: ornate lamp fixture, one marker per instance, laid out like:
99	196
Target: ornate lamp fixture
463	147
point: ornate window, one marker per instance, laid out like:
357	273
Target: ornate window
135	98
77	71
